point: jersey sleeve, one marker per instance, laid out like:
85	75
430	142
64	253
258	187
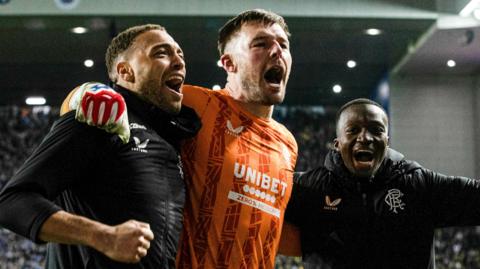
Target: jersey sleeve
293	148
65	108
59	161
197	98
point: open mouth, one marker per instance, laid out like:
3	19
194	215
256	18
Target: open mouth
363	156
174	83
274	75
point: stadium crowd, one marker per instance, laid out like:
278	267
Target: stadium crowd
22	129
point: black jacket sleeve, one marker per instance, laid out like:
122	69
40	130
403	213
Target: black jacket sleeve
292	213
61	159
304	194
455	201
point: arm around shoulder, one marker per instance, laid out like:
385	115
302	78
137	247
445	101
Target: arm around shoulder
290	244
99	105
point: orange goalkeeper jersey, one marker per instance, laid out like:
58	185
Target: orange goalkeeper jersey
239	171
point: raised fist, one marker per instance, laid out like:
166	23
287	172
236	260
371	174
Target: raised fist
99	105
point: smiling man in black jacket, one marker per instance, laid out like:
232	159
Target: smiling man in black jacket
117	205
363	210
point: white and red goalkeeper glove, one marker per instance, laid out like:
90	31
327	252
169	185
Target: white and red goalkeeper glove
99	105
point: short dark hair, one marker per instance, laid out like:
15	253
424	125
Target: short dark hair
358	101
122	42
255	15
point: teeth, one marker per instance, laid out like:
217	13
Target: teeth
174	82
175	78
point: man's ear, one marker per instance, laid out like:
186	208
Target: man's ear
335	144
228	63
125	72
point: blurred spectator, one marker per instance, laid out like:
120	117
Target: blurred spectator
21	130
457	248
314	129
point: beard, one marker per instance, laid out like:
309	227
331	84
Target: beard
255	93
151	91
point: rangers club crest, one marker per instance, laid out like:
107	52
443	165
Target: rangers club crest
394	201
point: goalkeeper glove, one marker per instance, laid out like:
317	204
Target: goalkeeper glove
99	105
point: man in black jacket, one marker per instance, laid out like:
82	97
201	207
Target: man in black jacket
116	205
363	210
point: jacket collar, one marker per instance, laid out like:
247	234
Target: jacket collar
186	124
334	163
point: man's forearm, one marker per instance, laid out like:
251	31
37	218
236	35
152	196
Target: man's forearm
290	241
63	227
126	242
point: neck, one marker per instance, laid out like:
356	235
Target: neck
257	109
125	85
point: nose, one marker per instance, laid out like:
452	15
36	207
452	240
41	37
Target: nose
178	62
364	136
276	50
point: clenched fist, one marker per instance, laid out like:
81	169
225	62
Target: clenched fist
127	242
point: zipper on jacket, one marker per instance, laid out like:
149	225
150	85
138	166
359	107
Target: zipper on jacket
364	236
364	199
370	207
363	194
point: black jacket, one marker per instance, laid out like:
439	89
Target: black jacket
383	222
91	173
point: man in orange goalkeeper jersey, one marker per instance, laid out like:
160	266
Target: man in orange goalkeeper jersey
239	167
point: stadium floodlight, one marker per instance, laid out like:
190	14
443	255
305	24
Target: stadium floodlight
337	88
35	100
373	31
451	63
88	63
79	30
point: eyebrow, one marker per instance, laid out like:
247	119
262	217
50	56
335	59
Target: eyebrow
372	122
265	35
165	46
260	37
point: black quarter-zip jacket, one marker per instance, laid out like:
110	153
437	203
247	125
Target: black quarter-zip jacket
386	221
89	172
